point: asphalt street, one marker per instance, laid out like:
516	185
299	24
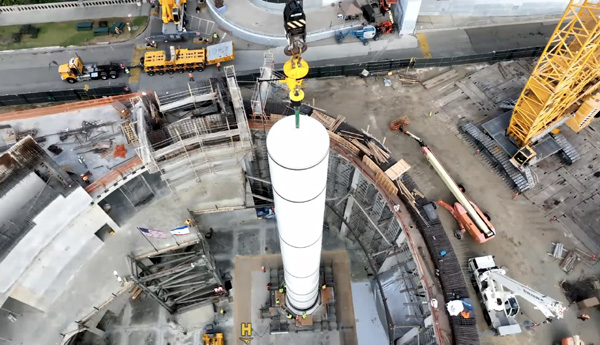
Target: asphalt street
27	71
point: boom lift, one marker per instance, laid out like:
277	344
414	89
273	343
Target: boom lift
75	71
469	217
498	296
562	89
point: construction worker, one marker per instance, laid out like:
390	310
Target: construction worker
219	66
191	76
288	316
324	286
277	301
86	177
188	222
304	315
215	37
584	317
262	268
222	312
268	286
281	290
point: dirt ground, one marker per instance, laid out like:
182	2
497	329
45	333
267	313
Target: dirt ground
524	236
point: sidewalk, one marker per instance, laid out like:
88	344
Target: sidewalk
439	23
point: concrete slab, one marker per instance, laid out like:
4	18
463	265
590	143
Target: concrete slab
369	327
50	126
248	242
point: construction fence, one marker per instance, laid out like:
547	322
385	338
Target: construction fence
63	95
391	65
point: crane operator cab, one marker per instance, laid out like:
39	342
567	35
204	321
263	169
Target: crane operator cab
294	23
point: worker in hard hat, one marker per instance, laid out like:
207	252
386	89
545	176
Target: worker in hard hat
277	301
289	316
222	311
304	315
324	286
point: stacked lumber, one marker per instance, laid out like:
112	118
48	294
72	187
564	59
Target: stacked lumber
362	147
380	155
396	170
337	122
380	177
136	292
324	119
569	262
350	135
344	143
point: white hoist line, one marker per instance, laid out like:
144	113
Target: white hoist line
458	194
547	305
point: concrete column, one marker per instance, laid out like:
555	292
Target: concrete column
406	13
349	203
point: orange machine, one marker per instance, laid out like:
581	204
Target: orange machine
465	222
574	340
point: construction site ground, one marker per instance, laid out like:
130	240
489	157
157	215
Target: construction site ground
524	230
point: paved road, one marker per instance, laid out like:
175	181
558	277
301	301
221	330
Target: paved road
27	72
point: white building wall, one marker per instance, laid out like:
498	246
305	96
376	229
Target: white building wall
19	196
64	231
492	7
45	278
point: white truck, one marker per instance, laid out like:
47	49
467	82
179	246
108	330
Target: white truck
499	296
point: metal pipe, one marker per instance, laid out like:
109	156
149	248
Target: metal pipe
298	161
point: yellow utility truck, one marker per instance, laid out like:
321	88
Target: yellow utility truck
75	71
186	60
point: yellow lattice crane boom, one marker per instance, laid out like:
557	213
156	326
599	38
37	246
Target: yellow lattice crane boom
565	74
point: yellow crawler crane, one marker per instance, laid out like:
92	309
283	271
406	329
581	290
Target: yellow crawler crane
565	76
563	88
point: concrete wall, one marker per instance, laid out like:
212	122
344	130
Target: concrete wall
492	7
20	195
59	242
307	5
262	38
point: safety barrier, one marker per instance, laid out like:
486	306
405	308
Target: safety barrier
69	4
391	65
62	95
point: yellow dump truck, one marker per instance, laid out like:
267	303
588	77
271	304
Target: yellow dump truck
186	60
